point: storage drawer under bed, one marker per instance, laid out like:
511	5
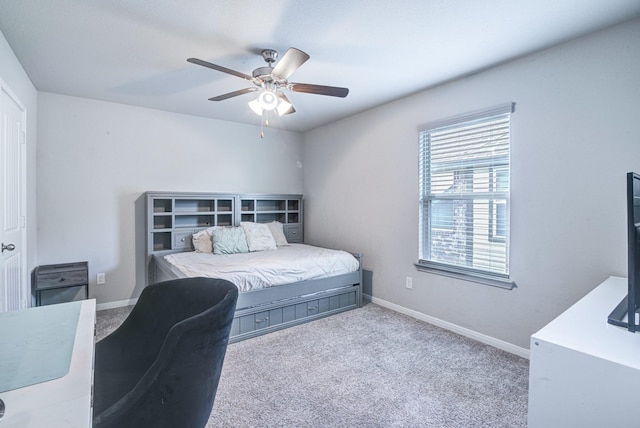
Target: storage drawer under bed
253	321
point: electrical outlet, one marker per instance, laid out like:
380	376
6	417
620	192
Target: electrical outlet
409	283
101	278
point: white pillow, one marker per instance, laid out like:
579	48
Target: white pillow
202	240
278	233
259	237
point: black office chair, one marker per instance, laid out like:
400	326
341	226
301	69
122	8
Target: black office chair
161	367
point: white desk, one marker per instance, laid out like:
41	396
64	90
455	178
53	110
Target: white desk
64	402
585	372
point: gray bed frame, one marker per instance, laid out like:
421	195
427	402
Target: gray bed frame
173	217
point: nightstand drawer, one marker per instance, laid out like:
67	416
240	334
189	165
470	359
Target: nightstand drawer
61	278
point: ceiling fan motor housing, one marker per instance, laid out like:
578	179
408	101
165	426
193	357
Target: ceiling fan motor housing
263	73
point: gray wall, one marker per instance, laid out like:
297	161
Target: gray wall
96	159
575	135
14	76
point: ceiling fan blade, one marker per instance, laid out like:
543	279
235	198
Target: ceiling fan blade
332	91
291	60
289	110
219	68
233	94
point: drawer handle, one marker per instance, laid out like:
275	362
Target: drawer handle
262	320
312	308
62	279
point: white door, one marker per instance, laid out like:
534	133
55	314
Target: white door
14	290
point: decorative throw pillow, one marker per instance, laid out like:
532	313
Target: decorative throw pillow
278	233
259	237
229	240
202	240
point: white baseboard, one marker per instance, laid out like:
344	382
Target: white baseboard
118	304
492	341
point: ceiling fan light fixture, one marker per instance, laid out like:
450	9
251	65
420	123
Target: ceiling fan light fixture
268	100
255	107
283	107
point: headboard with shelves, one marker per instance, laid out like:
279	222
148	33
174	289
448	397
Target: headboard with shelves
172	217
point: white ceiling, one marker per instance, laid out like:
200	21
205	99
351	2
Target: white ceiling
134	51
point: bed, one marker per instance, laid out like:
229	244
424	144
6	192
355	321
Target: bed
282	286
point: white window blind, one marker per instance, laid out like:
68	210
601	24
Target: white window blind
464	195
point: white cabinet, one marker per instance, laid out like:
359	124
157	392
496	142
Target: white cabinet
583	371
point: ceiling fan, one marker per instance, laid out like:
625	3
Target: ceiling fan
271	81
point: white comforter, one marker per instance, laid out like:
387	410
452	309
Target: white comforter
250	271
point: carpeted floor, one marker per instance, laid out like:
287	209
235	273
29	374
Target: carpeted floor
368	367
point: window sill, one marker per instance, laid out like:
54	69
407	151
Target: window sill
466	275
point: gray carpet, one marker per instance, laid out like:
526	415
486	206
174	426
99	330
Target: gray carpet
369	367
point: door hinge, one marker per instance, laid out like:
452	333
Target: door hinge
24	137
24	221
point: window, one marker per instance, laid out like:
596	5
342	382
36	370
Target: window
464	196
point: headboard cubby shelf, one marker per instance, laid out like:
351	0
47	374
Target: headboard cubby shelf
287	209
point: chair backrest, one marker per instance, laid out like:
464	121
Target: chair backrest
171	348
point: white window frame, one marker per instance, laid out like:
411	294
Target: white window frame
468	236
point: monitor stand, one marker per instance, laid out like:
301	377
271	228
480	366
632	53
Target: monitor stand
619	316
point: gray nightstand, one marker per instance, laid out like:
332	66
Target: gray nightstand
60	283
